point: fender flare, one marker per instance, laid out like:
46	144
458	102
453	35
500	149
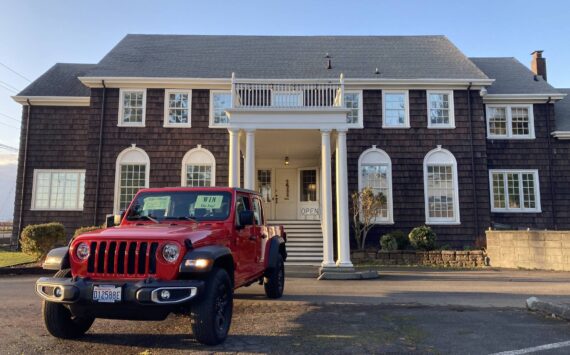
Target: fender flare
57	259
276	247
211	252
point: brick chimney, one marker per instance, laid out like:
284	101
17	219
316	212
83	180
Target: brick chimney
538	64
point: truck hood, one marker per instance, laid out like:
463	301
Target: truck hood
179	232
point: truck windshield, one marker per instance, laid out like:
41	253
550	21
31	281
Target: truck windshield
181	205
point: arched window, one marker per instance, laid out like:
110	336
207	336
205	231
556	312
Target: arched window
375	171
441	189
131	174
198	168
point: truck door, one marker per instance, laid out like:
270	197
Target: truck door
245	242
260	233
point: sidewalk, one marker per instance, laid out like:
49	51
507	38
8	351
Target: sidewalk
437	287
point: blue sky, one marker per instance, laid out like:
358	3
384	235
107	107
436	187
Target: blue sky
36	34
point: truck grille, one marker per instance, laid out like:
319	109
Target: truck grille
129	258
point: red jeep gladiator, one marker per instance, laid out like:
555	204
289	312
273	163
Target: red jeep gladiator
181	250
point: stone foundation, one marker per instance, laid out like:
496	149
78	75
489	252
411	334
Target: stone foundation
441	258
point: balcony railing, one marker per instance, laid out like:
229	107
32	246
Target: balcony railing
288	94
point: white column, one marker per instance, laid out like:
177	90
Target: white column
249	169
234	158
342	216
326	199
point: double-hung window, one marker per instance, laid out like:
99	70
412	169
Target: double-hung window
219	102
440	109
395	109
514	190
375	172
60	190
353	102
441	187
177	108
132	107
510	122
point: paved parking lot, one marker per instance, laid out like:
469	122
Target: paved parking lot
404	311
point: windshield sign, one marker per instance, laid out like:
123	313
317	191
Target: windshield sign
181	205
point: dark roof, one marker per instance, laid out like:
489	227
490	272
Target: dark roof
60	80
190	56
562	111
512	77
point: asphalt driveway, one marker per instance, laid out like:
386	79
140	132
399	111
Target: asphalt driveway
406	310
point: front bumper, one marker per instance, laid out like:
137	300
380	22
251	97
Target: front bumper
148	292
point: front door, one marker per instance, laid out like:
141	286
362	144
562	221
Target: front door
286	194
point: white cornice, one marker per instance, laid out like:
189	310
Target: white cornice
53	100
225	83
562	135
521	98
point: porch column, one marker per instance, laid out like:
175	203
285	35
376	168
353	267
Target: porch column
249	169
326	199
233	170
342	216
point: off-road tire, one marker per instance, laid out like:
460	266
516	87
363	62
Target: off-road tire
58	319
274	283
211	316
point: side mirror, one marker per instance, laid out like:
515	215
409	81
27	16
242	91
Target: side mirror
245	218
114	220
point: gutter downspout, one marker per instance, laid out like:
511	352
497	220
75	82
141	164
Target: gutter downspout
550	173
24	166
474	189
100	153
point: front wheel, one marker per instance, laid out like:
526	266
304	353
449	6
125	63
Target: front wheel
212	315
60	322
274	283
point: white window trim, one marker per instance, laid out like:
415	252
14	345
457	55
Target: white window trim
118	164
453	163
508	112
121	106
538	208
407	108
212	124
167	93
34	187
451	124
386	157
360	121
189	154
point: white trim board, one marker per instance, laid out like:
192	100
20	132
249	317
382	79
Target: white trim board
53	100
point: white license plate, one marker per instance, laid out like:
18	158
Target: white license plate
107	293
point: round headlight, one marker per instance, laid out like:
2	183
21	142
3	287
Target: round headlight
170	252
82	251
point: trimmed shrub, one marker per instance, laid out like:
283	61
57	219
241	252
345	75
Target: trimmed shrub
401	238
38	239
388	242
82	230
422	238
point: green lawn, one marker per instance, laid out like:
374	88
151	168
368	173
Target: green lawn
11	258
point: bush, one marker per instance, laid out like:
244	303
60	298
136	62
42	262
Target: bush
422	238
388	242
82	230
401	238
38	239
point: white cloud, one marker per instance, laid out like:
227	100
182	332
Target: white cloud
8	159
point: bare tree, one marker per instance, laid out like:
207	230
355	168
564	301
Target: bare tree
366	207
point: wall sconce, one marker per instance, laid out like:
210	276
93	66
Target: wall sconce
312	187
286	160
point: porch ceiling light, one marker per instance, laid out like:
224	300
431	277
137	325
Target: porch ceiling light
286	160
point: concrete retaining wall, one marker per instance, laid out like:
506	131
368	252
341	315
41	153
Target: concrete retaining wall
545	250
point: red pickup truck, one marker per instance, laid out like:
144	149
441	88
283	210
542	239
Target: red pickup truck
181	250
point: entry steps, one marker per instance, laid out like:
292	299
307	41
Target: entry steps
304	241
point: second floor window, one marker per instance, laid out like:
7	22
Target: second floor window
510	122
396	111
219	102
132	107
352	101
440	109
177	108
